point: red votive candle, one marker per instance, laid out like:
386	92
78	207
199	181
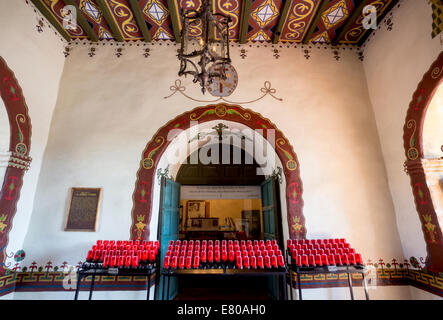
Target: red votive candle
174	262
253	262
239	262
188	262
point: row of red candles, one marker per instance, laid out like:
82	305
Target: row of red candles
242	255
316	241
123	253
322	252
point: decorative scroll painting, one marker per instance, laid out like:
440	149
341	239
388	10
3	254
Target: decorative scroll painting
93	14
19	162
298	20
56	8
83	209
356	31
264	17
143	195
124	18
331	19
413	144
156	14
231	8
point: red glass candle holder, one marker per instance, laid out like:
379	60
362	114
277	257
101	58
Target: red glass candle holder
253	262
311	259
167	262
210	256
239	262
274	263
280	261
174	261
260	262
217	256
128	261
268	262
188	262
345	259
113	262
318	260
135	262
196	262
181	262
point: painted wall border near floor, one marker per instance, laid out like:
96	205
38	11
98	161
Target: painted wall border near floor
19	162
413	144
53	281
143	193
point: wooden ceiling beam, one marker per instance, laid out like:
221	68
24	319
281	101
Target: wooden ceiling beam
82	21
244	20
173	12
55	23
355	14
281	21
140	20
366	33
314	22
110	20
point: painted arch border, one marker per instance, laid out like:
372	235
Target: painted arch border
143	193
413	144
19	147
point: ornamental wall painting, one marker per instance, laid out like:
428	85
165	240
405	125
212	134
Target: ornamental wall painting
143	195
19	161
413	144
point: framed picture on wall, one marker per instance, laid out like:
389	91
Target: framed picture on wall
195	209
83	209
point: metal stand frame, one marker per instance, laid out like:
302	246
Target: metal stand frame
325	270
86	271
225	272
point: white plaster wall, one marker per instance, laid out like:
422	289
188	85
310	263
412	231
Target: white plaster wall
108	108
433	127
395	62
37	61
5	135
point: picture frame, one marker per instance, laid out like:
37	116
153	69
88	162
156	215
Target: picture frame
195	209
83	209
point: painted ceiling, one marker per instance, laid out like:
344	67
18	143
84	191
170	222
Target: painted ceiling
300	21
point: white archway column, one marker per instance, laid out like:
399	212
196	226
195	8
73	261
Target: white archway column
433	169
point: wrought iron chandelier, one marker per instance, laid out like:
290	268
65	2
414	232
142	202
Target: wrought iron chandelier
204	51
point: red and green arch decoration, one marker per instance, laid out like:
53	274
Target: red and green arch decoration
413	144
20	142
143	195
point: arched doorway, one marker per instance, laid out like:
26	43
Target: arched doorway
15	158
420	165
144	201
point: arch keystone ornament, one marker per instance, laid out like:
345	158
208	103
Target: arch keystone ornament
413	144
142	210
19	147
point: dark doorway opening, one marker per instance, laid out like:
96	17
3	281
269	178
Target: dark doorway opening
249	219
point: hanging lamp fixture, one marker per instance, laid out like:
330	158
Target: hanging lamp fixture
204	51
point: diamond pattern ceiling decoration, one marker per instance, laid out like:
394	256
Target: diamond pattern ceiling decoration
158	19
264	17
336	21
332	19
95	17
